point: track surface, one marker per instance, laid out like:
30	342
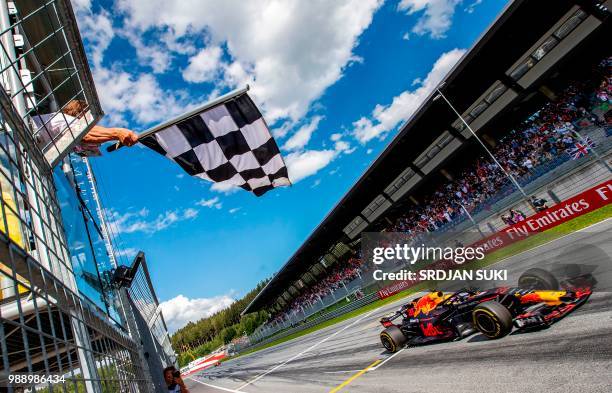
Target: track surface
574	354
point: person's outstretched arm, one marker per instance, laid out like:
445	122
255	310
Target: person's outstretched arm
99	135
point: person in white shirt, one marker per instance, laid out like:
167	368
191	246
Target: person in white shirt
53	126
527	163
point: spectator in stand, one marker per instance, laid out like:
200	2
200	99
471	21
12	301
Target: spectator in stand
507	219
539	203
517	216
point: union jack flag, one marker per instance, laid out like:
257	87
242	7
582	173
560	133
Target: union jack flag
581	148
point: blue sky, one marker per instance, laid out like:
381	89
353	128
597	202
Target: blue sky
335	80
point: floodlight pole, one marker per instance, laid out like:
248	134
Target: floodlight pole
471	218
508	175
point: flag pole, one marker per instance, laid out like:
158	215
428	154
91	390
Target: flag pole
187	115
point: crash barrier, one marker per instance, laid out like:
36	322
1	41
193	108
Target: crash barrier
585	202
204	362
254	343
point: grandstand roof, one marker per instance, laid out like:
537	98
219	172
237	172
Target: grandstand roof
508	38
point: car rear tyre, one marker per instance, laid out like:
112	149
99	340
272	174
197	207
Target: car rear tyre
537	278
492	319
392	338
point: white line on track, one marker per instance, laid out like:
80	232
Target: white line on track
386	360
306	350
215	386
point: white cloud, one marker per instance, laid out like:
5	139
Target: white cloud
210	203
139	221
344	147
386	118
369	151
190	213
234	210
406	36
150	54
471	7
139	95
302	136
304	163
97	29
283	130
204	66
335	137
224	188
126	252
289	51
122	91
436	17
181	45
300	165
181	310
81	5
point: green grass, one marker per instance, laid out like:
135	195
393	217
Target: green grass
513	249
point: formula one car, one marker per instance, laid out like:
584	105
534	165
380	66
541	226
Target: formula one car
537	302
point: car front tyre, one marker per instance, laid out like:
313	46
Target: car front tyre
492	319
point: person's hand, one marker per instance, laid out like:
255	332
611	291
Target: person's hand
181	383
126	137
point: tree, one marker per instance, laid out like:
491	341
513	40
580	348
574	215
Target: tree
209	333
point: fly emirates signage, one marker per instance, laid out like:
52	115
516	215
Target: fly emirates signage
585	202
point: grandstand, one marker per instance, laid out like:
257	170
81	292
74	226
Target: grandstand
535	88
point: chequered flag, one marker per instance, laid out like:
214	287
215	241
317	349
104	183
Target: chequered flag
229	143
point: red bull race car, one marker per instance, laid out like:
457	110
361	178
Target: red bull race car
537	302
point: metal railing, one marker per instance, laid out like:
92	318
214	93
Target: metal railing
144	320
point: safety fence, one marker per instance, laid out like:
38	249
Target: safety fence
143	318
